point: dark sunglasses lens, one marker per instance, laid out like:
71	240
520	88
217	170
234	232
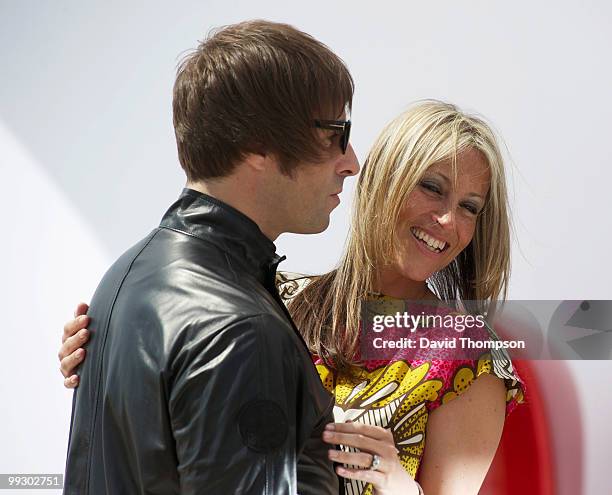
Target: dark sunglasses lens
344	141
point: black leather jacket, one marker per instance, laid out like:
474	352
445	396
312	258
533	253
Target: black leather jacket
197	381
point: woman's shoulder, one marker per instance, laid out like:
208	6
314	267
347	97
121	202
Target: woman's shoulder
500	359
458	375
455	369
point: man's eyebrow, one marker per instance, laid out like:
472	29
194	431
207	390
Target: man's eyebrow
447	180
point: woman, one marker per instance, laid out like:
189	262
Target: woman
430	222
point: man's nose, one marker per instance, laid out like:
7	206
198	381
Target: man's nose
349	165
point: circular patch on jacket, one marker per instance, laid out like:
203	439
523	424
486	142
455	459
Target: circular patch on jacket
263	425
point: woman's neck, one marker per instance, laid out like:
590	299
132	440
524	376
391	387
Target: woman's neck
393	284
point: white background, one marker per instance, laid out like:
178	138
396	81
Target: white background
88	162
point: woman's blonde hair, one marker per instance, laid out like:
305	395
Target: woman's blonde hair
327	311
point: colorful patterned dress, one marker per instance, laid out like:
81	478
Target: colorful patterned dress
401	394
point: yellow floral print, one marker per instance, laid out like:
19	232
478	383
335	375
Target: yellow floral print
465	375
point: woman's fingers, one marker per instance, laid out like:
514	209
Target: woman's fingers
363	437
376	432
356	440
389	475
360	459
73	326
71	344
369	476
71	381
71	353
81	309
70	362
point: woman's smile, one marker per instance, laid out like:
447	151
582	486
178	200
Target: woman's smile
430	244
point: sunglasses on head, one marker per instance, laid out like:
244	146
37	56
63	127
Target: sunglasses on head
340	126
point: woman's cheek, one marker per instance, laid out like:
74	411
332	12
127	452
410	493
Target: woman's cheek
467	229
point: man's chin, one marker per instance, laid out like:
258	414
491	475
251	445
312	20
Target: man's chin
313	227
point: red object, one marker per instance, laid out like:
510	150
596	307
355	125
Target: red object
526	461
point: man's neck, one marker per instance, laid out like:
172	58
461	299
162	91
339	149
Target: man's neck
238	196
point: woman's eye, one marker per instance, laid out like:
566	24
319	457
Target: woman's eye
431	187
471	208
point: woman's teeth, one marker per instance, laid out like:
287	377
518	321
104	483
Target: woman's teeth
432	244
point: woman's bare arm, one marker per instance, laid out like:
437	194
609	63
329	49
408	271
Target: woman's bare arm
462	438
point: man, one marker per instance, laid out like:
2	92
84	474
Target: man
198	381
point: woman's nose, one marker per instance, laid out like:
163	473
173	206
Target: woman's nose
444	218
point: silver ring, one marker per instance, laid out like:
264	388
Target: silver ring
375	462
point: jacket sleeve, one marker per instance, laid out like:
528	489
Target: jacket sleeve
232	405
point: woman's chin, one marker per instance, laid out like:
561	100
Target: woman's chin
415	275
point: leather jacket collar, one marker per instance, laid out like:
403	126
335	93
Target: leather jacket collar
214	221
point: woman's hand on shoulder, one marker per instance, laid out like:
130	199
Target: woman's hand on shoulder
71	353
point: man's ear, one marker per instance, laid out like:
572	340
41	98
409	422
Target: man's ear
260	161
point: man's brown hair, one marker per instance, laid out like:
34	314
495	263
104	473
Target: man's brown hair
255	87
